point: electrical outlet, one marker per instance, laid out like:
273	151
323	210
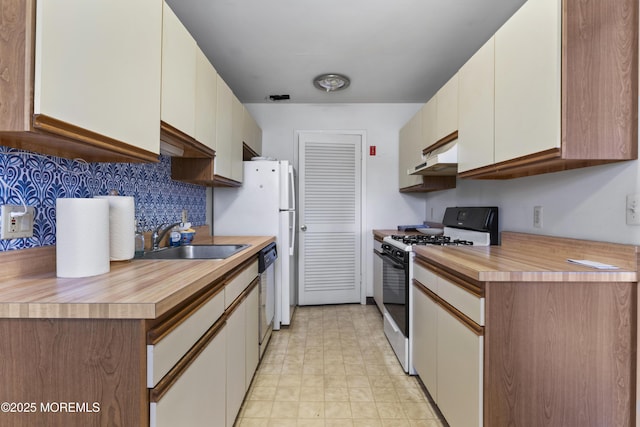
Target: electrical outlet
633	209
18	225
537	216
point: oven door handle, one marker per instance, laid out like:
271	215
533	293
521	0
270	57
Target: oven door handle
387	258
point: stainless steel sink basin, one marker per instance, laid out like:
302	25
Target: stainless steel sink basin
216	252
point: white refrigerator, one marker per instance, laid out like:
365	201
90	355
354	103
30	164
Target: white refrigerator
264	206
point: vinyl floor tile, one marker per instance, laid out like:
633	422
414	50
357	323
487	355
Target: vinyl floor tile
333	367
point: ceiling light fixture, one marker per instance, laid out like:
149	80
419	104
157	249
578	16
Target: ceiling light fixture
331	82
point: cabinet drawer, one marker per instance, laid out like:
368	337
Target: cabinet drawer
193	394
239	283
163	354
470	305
426	277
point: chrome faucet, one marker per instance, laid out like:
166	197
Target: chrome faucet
159	233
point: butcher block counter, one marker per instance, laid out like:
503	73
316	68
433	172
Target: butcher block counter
136	289
525	338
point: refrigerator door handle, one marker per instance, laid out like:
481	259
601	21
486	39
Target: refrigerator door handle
292	235
292	189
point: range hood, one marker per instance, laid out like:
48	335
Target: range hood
440	161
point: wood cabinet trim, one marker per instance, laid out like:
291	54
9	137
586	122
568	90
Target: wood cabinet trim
428	292
461	317
17	50
235	304
161	330
251	286
49	124
222	181
475	289
164	385
432	183
240	298
191	147
248	152
498	170
441	142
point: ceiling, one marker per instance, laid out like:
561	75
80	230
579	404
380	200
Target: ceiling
394	51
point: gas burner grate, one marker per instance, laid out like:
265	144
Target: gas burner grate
431	240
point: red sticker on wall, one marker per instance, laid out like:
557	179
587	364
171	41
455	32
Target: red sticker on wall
372	150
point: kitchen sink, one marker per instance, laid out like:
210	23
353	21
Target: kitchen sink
215	252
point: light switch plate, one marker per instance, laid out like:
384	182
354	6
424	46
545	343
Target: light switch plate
17	226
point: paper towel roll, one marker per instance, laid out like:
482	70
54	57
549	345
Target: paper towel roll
82	237
122	227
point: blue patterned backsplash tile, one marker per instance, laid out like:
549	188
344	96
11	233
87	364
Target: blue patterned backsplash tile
40	180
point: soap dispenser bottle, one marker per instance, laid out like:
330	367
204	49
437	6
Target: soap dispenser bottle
139	242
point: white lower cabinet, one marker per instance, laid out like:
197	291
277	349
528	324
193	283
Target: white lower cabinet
235	361
243	351
459	372
197	397
448	346
425	337
200	361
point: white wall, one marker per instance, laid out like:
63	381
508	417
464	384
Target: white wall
587	203
385	206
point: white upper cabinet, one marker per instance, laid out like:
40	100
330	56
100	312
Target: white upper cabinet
224	129
179	51
429	133
237	117
97	67
409	151
528	81
252	133
206	99
447	109
475	109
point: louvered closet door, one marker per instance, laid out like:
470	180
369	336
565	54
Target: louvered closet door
330	218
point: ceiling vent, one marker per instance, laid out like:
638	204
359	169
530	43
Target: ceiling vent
275	98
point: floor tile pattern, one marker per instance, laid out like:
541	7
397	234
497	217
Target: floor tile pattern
334	367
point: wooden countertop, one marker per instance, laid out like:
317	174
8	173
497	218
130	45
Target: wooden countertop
530	257
525	257
136	289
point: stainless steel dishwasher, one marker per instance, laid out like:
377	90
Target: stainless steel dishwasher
266	265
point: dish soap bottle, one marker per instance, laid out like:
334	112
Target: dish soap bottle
139	242
174	237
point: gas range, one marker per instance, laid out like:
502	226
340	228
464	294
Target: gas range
406	242
476	226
